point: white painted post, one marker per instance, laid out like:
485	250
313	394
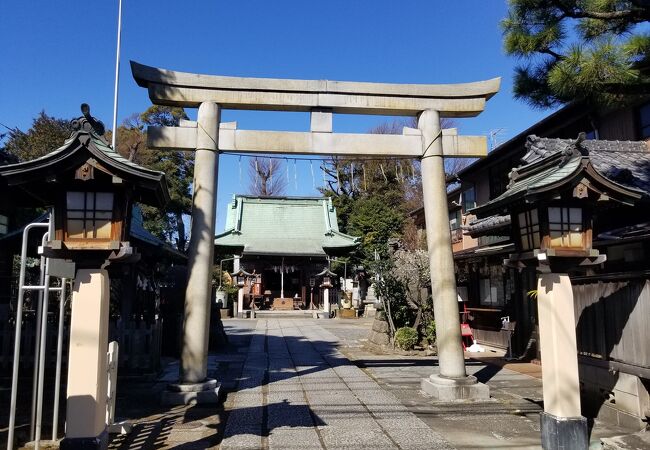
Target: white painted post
113	354
240	301
194	356
326	300
562	424
87	362
452	383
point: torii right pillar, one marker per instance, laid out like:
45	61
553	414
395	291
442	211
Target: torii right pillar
452	382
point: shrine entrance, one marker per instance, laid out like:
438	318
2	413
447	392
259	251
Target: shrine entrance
321	98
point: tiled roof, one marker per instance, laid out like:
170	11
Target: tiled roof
284	226
82	144
139	233
625	162
550	163
479	226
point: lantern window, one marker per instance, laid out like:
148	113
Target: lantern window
89	215
529	229
565	227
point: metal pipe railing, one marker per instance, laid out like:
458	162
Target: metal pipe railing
37	339
59	357
43	343
19	323
41	365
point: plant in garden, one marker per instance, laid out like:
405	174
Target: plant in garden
430	332
411	268
406	338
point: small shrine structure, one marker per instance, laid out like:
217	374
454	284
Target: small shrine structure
283	243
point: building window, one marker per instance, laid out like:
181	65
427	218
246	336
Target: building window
455	219
469	199
529	229
499	175
89	215
4	224
488	293
644	121
565	227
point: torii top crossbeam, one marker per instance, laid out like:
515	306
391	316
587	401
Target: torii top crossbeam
168	87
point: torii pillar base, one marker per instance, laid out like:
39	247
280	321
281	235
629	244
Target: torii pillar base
453	389
206	393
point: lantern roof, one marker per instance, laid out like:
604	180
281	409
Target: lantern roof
618	171
36	182
287	226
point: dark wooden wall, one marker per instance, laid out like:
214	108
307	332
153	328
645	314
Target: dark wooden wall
613	321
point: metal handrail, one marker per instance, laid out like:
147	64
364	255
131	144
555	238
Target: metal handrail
19	323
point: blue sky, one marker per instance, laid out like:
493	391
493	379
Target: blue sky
56	55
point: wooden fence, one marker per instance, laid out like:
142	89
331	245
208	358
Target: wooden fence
140	345
614	321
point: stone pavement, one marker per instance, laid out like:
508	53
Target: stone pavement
312	384
297	390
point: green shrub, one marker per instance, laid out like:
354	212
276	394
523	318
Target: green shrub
394	291
430	332
406	338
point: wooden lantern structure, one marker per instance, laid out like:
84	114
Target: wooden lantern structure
240	277
91	188
551	199
326	276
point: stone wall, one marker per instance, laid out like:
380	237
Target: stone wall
379	333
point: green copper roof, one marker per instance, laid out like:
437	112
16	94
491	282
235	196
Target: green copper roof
293	226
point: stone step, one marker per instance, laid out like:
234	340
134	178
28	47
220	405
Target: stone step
295	314
636	441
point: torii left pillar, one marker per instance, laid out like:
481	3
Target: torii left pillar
194	385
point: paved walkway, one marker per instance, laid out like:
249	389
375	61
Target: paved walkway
311	384
297	390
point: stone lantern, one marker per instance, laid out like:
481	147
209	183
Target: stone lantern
551	199
239	278
326	274
91	189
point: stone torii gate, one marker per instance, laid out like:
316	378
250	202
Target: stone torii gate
322	98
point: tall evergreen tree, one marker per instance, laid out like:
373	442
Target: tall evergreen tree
588	50
178	167
47	133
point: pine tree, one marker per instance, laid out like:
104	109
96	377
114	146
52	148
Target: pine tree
595	51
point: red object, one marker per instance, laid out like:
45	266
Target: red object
465	329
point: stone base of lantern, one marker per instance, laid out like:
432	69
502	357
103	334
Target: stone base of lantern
85	443
564	432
